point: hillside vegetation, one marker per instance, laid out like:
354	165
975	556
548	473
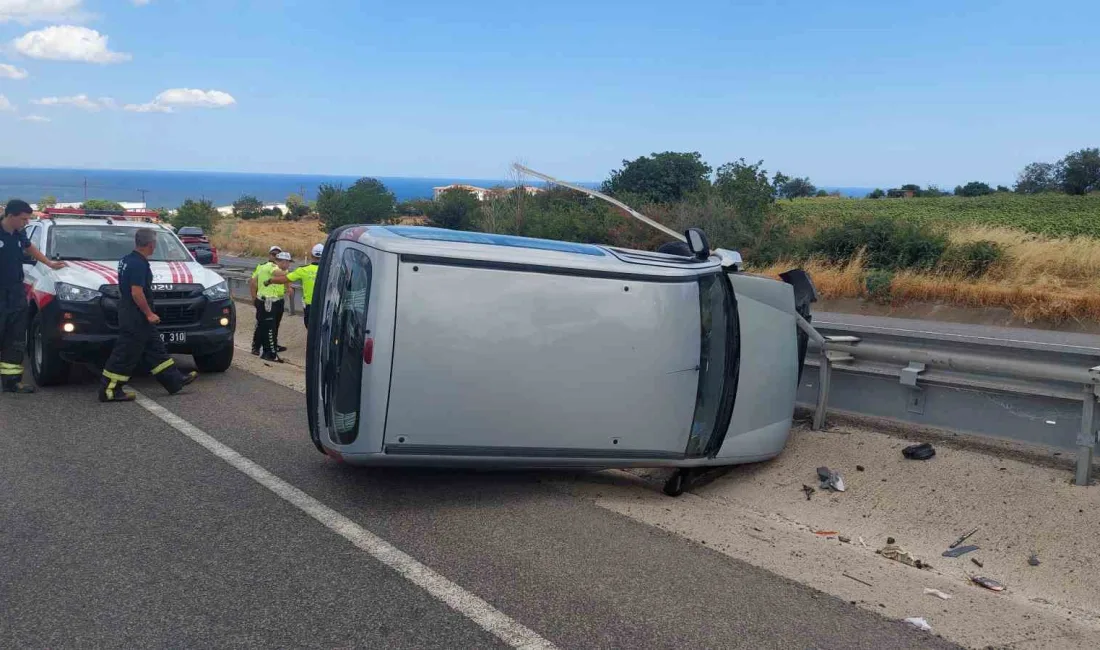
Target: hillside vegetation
1050	214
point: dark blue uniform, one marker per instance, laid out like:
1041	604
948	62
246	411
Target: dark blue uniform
138	339
13	306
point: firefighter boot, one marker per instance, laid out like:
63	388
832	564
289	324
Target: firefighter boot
112	388
14	385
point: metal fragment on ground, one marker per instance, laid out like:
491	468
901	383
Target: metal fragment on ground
960	551
928	591
988	583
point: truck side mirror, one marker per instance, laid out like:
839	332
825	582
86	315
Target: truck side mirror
697	242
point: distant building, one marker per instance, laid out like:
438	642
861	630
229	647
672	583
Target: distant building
482	193
126	205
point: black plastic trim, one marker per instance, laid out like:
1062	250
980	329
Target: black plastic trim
528	452
548	270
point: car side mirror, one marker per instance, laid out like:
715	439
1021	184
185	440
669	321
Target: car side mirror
697	242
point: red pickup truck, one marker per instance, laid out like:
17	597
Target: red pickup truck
199	244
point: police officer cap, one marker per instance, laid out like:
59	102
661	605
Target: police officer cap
283	256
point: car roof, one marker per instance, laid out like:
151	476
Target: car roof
102	222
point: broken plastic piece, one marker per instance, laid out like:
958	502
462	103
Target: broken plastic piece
919	623
1034	560
830	480
988	583
894	552
963	538
928	591
846	540
977	562
922	451
960	551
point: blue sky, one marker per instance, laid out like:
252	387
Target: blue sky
849	93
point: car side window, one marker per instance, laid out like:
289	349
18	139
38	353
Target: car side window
33	231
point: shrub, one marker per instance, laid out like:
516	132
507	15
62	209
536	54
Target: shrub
877	283
972	259
888	244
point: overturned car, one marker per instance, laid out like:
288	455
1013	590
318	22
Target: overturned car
440	347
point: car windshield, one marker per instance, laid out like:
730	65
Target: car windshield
109	243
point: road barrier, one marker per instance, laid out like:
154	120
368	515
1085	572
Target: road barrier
1037	393
238	288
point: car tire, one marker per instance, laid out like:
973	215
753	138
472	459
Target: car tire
47	366
217	362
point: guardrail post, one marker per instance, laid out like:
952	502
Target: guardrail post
824	374
1086	440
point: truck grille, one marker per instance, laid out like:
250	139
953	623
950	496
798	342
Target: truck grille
176	314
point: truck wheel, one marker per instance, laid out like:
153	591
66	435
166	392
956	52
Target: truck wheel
47	366
216	362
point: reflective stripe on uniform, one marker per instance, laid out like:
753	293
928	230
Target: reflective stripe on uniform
116	377
164	366
7	369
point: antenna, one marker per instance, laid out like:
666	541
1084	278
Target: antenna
143	197
599	195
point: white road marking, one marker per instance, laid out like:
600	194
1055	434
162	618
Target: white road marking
472	607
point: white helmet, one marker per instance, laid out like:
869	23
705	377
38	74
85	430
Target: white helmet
317	250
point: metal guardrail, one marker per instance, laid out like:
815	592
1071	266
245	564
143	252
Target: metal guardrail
238	288
1023	391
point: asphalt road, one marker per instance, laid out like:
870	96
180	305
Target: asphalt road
117	530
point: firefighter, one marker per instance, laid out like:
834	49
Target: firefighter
269	305
307	275
13	297
138	337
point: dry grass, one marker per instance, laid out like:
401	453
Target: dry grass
255	237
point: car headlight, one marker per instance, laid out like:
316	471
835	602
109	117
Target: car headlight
73	293
219	291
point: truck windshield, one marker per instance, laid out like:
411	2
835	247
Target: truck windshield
109	243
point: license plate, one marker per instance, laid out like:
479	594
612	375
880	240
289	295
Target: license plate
173	337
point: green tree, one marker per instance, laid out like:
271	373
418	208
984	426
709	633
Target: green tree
201	214
1002	188
973	188
660	178
877	193
747	187
796	188
248	207
47	201
101	204
1037	178
821	194
367	201
296	207
1079	172
456	209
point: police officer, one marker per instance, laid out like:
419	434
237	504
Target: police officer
138	339
307	275
276	294
13	297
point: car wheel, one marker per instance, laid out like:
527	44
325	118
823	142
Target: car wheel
216	362
47	366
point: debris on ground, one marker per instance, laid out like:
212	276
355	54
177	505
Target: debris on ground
896	553
859	468
988	583
919	623
1034	560
963	538
825	533
861	542
857	580
808	490
830	480
923	451
928	591
960	551
846	540
978	562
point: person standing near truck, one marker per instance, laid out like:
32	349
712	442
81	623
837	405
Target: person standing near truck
269	301
13	297
265	269
138	337
307	275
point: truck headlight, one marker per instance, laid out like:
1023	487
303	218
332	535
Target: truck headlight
73	293
219	291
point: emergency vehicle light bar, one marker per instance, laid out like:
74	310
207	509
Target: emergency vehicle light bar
122	215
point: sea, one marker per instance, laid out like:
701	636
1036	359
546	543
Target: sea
171	188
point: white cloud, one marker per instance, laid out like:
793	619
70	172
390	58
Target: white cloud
151	107
5	105
79	101
8	71
27	11
196	98
68	43
169	100
34	118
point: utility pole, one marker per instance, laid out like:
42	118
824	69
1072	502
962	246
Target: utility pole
85	188
143	203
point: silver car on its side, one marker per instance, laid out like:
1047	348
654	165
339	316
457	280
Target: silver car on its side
439	347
